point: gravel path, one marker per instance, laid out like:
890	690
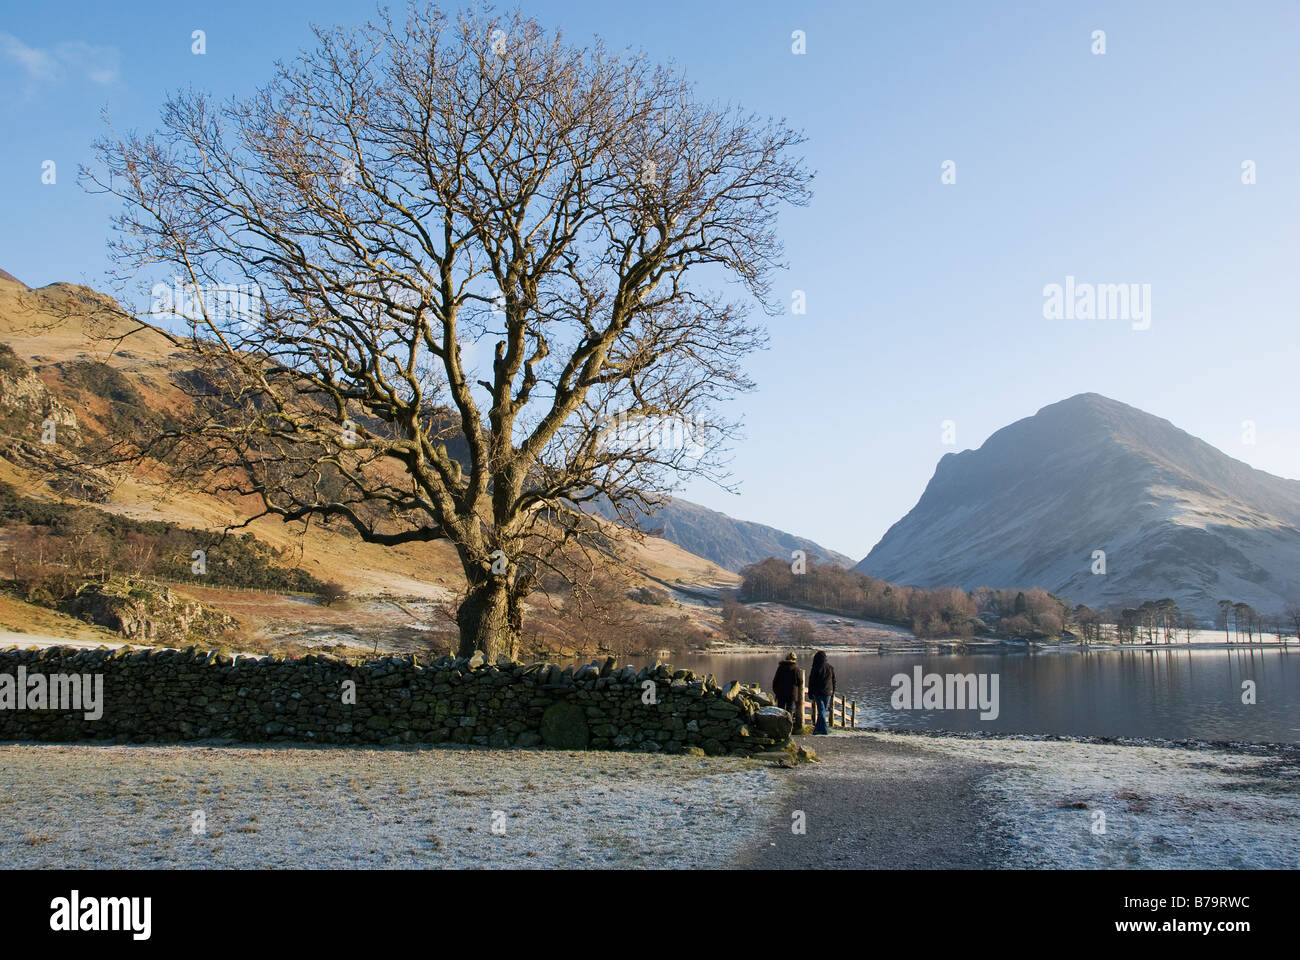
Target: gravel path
876	802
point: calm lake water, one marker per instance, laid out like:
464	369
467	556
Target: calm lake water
1169	694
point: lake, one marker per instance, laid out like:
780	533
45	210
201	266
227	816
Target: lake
1168	694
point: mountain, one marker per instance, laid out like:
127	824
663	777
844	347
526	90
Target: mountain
1175	516
730	543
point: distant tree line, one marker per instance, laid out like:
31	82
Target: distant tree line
1242	618
945	611
1020	613
1161	621
1153	621
1012	613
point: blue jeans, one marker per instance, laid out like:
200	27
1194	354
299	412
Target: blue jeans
822	707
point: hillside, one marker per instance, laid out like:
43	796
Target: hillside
1175	516
730	543
68	355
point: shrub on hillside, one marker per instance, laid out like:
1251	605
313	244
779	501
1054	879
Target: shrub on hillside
10	363
48	542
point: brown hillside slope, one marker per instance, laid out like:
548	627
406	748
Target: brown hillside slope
57	327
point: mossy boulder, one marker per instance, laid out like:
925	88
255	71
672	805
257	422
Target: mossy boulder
146	612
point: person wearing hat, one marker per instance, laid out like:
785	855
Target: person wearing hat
785	681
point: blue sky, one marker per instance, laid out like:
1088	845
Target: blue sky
924	299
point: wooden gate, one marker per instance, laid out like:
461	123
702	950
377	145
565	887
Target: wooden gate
843	713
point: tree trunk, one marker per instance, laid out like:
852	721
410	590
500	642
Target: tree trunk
490	619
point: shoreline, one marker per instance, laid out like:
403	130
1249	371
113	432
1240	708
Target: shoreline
1268	747
999	646
1048	803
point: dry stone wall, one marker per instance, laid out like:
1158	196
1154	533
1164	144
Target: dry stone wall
177	695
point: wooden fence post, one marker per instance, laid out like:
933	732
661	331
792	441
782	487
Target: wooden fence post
798	703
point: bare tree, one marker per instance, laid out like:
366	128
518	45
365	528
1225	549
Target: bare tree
331	593
1292	615
801	632
1243	614
410	190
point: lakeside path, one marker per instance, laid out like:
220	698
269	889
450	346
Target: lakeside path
872	802
875	800
888	800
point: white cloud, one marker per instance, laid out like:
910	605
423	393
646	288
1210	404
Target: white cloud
97	64
39	65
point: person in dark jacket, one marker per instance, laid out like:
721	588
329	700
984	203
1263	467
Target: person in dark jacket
821	690
786	679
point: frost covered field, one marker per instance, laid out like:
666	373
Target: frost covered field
1163	808
81	806
875	800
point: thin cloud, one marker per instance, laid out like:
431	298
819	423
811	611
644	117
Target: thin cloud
43	66
39	65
